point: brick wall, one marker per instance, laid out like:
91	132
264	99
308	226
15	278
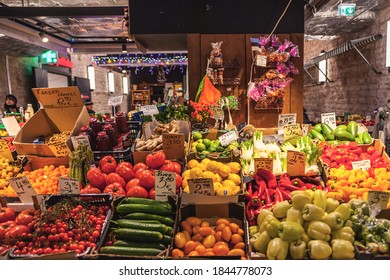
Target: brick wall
100	95
356	88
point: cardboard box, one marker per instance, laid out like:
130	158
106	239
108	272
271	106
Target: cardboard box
63	110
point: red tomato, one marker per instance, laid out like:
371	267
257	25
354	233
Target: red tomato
370	150
107	164
168	166
353	145
6	214
16	232
139	165
31	212
137	191
2	233
125	172
147	179
3	249
132	183
155	160
138	173
127	164
115	178
152	193
96	178
178	167
115	189
90	190
8	225
179	181
24	219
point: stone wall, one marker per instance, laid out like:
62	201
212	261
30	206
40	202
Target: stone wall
356	88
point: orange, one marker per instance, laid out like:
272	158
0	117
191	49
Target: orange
239	245
189	247
205	224
237	252
209	241
209	254
236	238
221	243
197	237
220	250
234	227
186	226
204	231
220	227
193	254
186	235
200	249
218	236
222	221
195	229
240	232
180	240
177	253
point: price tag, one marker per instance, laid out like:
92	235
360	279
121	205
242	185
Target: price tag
69	185
58	97
306	128
264	163
59	149
5	151
228	138
173	145
377	198
361	164
23	188
291	131
218	112
80	140
115	100
261	60
296	162
285	119
11	125
150	110
204	186
329	119
165	184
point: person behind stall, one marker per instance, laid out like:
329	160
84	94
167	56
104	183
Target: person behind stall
88	103
10	104
306	119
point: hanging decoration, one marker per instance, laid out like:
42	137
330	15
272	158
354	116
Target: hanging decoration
161	75
147	60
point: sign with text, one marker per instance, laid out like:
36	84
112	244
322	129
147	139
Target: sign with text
203	186
150	110
285	119
296	162
228	138
306	128
378	199
115	100
165	184
11	125
173	145
80	140
218	112
59	149
264	163
261	60
5	151
329	119
361	164
59	97
23	188
69	185
291	131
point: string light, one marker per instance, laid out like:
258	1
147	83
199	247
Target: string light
144	60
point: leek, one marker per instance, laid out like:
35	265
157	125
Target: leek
259	145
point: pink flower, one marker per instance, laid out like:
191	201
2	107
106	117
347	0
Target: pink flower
294	52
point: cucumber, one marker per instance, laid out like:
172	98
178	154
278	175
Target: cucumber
167	239
353	128
125	209
145	216
327	131
138	234
123	243
318	128
344	135
137	200
145	221
317	135
125	223
358	141
367	139
130	251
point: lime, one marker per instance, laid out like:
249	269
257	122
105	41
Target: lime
220	149
205	153
217	142
207	142
200	147
197	135
211	149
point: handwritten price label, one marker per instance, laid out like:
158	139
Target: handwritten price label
23	188
305	129
115	100
296	162
285	119
59	149
165	184
264	163
58	97
261	60
291	131
80	140
69	185
173	145
218	112
150	110
203	186
5	151
228	138
378	199
361	164
329	119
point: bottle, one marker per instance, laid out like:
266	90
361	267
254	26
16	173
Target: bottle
121	122
29	112
112	122
103	142
21	111
86	130
96	125
110	132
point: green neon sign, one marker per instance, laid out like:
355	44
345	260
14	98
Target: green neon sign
48	57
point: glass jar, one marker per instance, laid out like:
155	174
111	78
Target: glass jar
112	122
86	130
110	132
121	122
103	142
95	125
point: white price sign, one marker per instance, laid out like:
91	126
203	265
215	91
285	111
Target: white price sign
23	188
165	184
203	186
377	198
115	100
80	140
69	185
329	119
261	60
285	119
150	110
228	138
361	164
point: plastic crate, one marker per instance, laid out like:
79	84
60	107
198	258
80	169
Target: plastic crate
120	155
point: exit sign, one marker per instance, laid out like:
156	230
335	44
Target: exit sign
346	9
49	57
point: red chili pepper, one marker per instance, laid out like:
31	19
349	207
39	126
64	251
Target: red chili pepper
257	211
290	187
271	191
278	196
269	177
249	212
249	193
267	197
286	194
255	201
371	172
298	182
285	177
311	180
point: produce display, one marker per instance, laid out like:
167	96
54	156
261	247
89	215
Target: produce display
203	147
3	133
154	143
8	170
54	138
79	163
204	238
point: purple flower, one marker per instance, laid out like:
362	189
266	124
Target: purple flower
264	41
294	52
292	68
285	46
282	68
275	42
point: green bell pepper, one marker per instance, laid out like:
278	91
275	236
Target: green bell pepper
300	199
298	250
291	231
277	249
253	230
262	215
342	250
319	249
345	233
273	228
311	212
345	210
331	205
319	199
261	243
305	238
266	221
334	220
294	215
280	209
319	230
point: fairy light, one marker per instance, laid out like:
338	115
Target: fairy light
148	59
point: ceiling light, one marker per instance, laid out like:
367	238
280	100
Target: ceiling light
111	82
91	77
125	85
322	69
124	71
124	48
43	36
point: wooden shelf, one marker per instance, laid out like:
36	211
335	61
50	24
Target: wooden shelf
141	97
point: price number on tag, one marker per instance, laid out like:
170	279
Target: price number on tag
228	138
165	184
23	188
203	186
291	131
5	151
173	145
305	129
264	163
378	199
69	185
296	162
285	119
361	164
80	140
329	119
64	101
60	149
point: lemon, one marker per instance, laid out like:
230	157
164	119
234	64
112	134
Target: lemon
205	161
186	190
211	166
217	186
186	174
229	183
197	135
224	170
236	190
209	174
201	166
184	184
196	172
192	163
235	178
235	167
225	191
218	177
